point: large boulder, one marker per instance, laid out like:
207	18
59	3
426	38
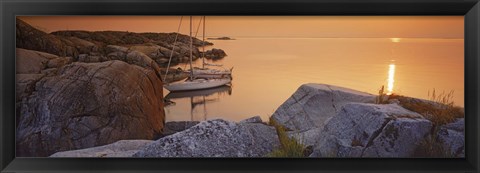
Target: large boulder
151	50
34	62
93	58
132	57
452	138
312	105
26	84
28	37
372	130
177	126
123	148
254	119
31	62
216	138
90	104
215	54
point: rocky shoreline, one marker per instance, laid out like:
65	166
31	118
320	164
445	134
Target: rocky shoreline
81	89
330	121
99	94
100	46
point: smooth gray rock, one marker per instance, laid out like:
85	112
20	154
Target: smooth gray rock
59	62
216	138
177	126
90	58
123	148
255	119
452	137
457	125
364	130
90	104
151	50
399	138
307	137
26	84
115	48
50	72
31	62
132	56
312	105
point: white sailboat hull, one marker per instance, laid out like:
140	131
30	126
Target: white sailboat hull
211	73
197	84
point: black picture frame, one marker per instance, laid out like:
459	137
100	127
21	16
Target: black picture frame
9	9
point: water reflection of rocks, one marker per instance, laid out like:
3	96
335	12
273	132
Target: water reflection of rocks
199	98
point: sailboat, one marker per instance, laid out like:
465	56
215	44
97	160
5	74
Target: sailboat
205	72
205	97
193	82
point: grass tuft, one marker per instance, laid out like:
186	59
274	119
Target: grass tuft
381	96
430	148
439	110
289	147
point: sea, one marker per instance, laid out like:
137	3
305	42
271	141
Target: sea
267	71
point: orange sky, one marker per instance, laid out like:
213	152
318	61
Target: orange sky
267	26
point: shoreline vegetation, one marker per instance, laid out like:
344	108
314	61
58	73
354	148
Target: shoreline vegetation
99	94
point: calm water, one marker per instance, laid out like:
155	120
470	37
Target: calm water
267	71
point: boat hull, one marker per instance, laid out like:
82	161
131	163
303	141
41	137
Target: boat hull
197	93
211	73
217	76
197	84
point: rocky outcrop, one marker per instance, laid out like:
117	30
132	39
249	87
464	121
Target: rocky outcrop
312	105
28	37
31	66
369	130
215	138
353	129
340	122
123	148
128	38
26	84
90	104
177	126
452	138
157	46
34	62
215	54
255	119
93	46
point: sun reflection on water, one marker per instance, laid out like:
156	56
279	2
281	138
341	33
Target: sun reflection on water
391	80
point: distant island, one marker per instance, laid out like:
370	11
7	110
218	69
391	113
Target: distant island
221	38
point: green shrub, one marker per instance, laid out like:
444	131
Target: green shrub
289	147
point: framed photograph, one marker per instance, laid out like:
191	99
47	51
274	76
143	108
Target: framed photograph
239	86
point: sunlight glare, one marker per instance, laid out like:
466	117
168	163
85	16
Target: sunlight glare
391	75
395	40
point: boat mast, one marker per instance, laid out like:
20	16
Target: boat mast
191	50
204	109
203	44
